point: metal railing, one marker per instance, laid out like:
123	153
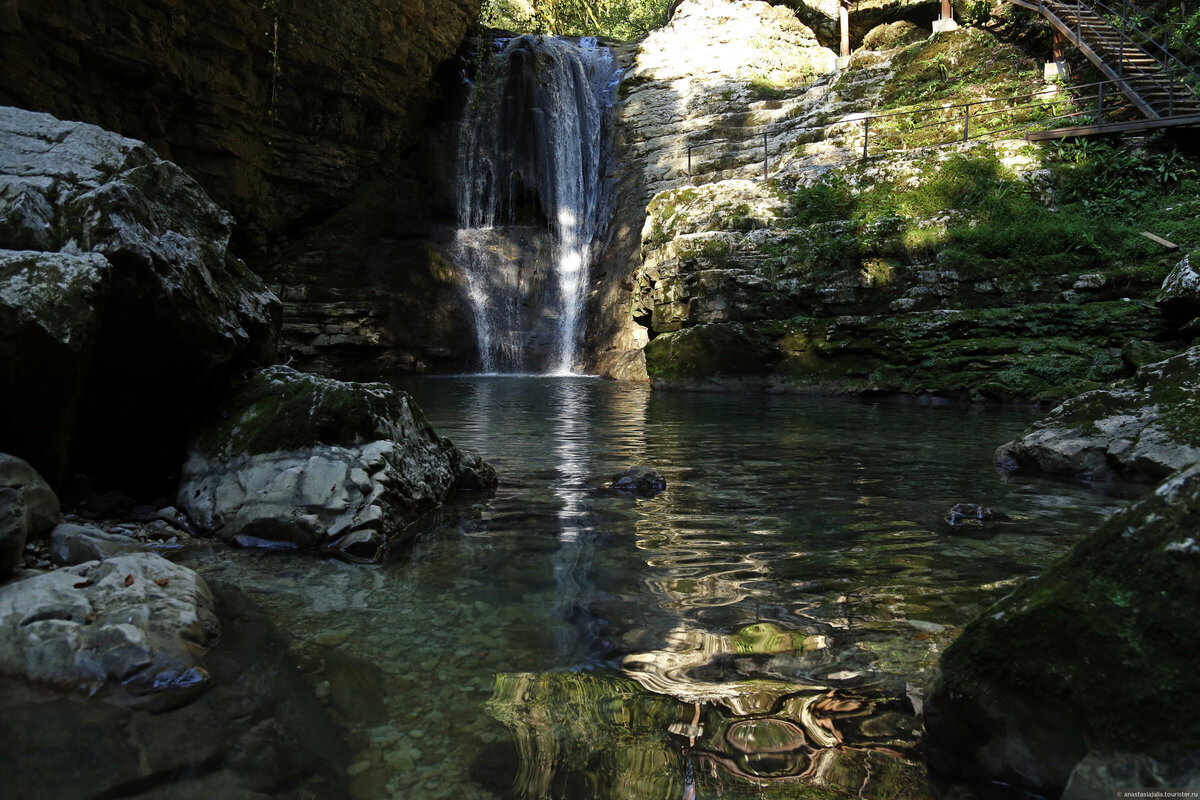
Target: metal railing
1098	102
1091	31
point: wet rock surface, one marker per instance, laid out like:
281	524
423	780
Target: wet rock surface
1141	429
640	481
119	297
256	731
134	625
28	507
305	461
1080	672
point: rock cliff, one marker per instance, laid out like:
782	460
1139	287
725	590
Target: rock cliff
774	257
120	301
278	108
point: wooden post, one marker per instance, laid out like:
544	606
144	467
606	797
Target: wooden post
844	25
1059	46
947	12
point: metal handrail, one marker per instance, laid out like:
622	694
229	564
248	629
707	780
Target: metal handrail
1168	62
957	113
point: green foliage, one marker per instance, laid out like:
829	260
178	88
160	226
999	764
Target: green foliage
1110	178
616	19
961	65
829	199
894	34
993	221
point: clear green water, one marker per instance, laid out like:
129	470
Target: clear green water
763	628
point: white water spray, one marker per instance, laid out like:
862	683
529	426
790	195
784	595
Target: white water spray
531	156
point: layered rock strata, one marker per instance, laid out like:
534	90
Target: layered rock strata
279	109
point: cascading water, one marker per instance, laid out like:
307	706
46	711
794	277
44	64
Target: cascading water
531	198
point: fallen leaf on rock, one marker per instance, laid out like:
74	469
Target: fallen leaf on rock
162	581
83	584
89	619
129	580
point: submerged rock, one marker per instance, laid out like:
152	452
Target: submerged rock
640	481
972	514
118	295
1094	658
135	625
305	461
1140	429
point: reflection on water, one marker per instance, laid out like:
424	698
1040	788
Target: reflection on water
763	628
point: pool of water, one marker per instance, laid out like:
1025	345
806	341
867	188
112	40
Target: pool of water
765	627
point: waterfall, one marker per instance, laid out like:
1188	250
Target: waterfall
531	199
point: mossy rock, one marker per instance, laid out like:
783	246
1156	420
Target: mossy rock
1139	429
1096	655
282	409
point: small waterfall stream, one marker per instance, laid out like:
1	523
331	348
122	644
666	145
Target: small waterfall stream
531	199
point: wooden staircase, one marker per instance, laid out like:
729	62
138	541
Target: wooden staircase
1156	82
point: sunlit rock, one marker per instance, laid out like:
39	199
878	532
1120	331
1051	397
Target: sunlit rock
1140	429
136	625
1181	289
305	461
1096	657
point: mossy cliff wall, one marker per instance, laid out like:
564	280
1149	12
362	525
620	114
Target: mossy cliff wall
774	257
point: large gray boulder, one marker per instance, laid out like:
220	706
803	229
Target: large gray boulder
28	507
135	626
1140	429
306	461
1078	683
118	295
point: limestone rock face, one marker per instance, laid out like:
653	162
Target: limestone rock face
118	294
305	461
278	109
1141	429
699	79
136	624
1062	683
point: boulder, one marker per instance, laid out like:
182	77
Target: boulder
118	295
1140	429
256	731
306	461
1085	666
135	626
14	530
1180	294
75	544
28	507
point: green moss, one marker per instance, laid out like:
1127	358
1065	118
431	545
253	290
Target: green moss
703	352
281	409
1106	637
